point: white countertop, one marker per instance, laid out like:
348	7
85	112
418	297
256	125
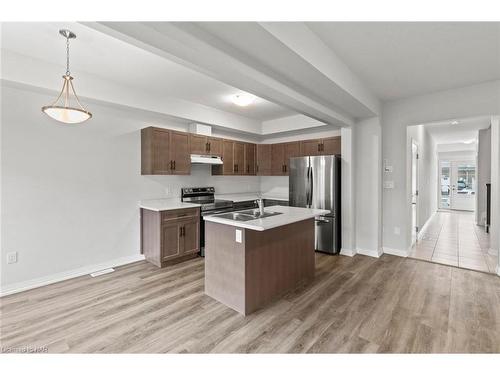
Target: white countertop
289	215
165	204
243	197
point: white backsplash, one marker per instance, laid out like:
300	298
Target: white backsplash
274	185
201	176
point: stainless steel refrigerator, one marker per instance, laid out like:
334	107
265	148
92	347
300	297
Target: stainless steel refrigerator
315	183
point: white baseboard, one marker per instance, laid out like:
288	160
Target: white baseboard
424	227
46	280
348	252
492	252
371	253
397	252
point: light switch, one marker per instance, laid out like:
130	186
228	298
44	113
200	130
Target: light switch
238	235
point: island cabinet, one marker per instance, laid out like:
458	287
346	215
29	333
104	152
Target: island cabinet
263	160
203	145
164	151
322	146
247	269
280	155
169	237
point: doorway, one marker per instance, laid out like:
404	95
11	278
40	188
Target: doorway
457	184
414	192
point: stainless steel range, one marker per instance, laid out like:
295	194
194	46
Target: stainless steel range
205	196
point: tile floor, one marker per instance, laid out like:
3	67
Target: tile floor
453	238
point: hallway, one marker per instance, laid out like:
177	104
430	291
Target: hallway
452	238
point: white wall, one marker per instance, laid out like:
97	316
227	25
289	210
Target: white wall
477	100
483	173
348	193
427	175
495	187
295	122
70	193
368	185
451	147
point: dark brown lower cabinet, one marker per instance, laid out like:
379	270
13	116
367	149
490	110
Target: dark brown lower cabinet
169	237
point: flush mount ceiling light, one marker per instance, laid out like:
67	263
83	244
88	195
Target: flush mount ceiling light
243	100
62	110
454	122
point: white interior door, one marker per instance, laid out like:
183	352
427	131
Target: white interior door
444	184
463	185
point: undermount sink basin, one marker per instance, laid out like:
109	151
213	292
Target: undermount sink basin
247	215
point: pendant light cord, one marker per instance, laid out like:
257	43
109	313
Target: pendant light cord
67	57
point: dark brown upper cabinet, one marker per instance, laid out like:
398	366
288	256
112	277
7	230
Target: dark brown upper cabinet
164	151
263	166
310	147
215	146
198	144
203	145
250	166
239	158
280	155
179	153
322	146
227	168
331	146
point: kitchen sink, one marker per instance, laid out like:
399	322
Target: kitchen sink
247	215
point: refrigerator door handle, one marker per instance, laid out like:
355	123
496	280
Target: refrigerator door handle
311	187
308	187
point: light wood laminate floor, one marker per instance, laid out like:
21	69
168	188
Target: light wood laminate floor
358	304
453	238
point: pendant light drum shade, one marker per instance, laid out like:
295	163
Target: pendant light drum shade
62	109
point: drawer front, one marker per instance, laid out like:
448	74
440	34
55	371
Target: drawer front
180	214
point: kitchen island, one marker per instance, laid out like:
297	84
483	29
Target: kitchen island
250	260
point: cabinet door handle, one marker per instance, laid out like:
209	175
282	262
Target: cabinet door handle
285	168
257	168
209	146
248	168
319	147
206	146
174	165
171	164
180	231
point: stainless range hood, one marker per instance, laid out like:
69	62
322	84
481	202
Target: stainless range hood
205	159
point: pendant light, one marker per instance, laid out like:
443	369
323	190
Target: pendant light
61	110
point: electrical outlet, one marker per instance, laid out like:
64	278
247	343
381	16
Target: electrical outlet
238	235
388	184
397	231
12	257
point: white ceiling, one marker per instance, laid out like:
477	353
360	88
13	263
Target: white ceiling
402	59
465	131
97	53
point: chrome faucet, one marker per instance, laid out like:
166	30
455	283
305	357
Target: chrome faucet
260	203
